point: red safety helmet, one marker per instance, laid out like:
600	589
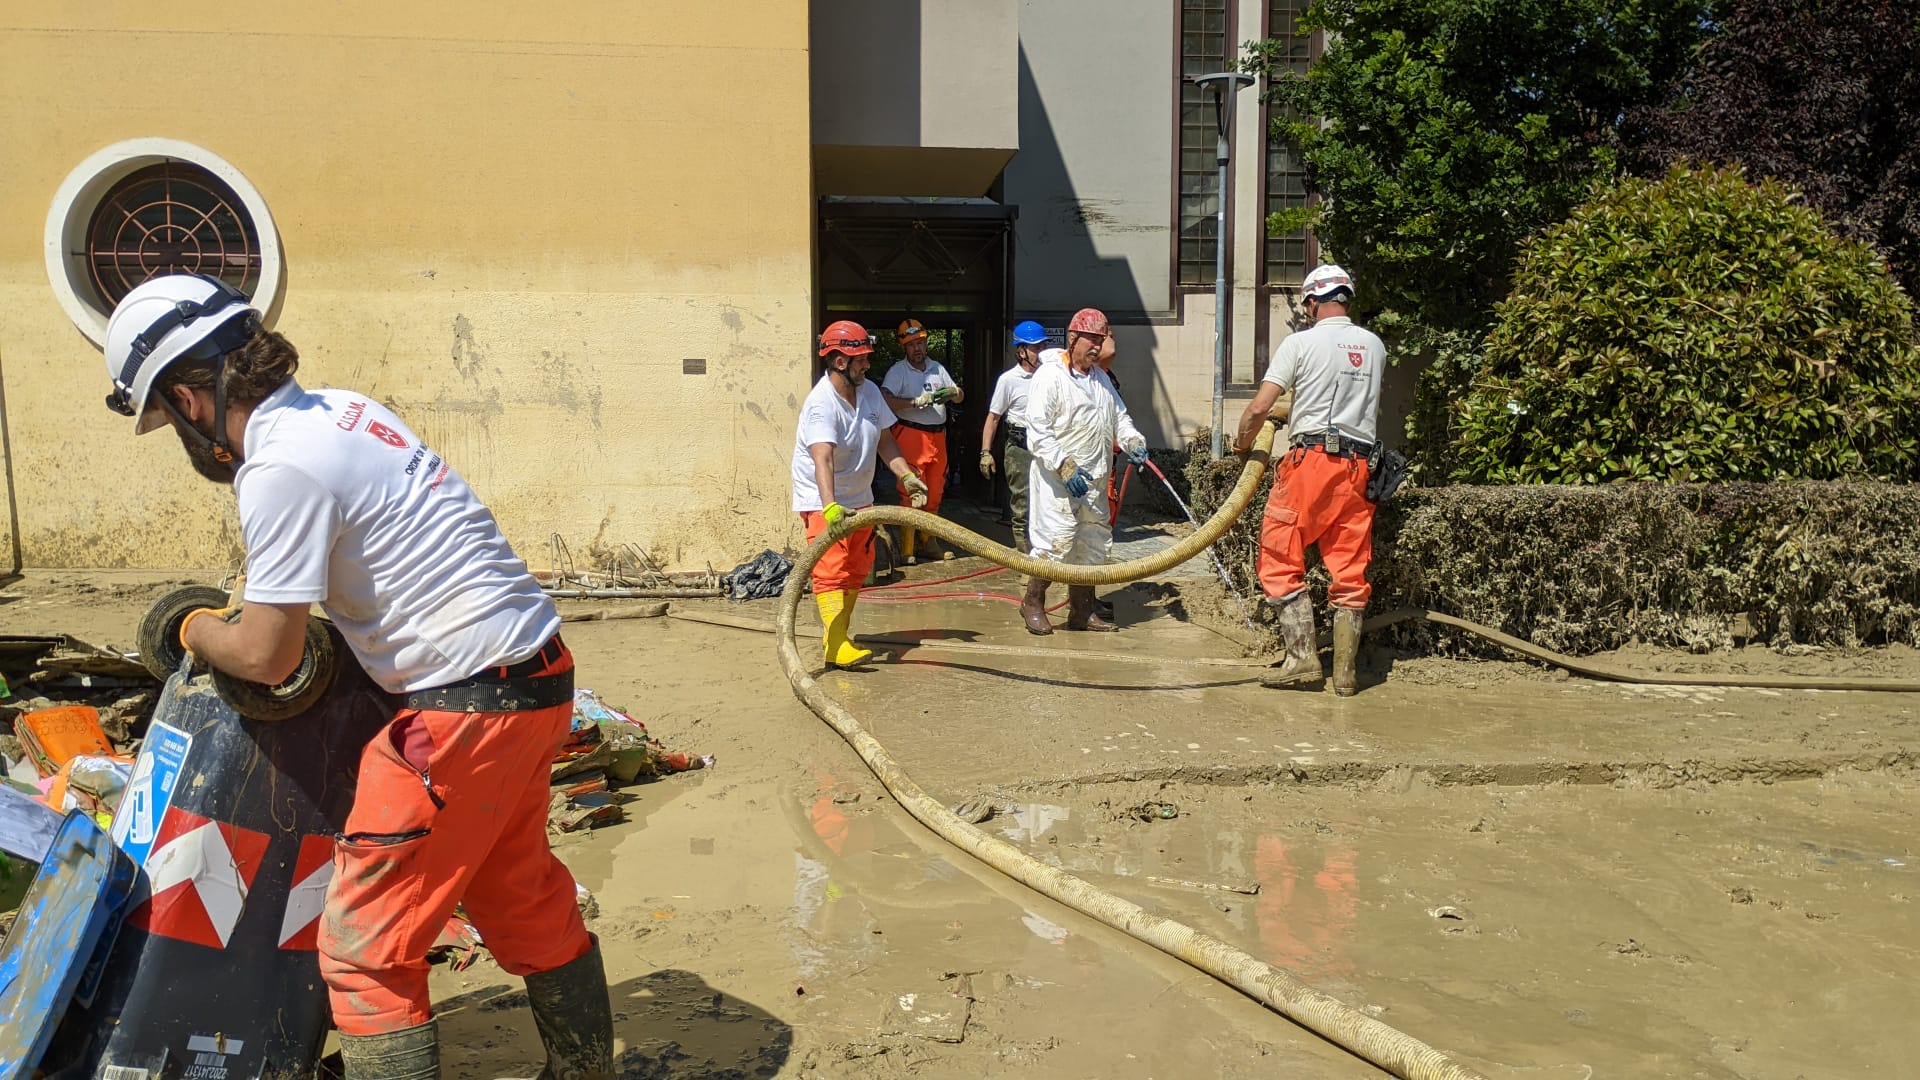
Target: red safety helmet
911	330
846	336
1089	321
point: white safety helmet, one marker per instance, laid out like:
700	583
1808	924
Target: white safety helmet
1328	283
164	320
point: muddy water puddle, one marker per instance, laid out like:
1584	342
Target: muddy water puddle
1740	930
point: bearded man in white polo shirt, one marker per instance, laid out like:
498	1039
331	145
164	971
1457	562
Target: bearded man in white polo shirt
343	505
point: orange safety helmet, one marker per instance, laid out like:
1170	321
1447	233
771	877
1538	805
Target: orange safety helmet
1089	321
911	330
846	336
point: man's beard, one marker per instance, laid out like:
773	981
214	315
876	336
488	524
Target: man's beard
200	453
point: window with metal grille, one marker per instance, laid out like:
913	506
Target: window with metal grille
1206	46
170	218
1287	254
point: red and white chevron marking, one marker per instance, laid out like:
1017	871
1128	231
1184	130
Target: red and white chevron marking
312	873
198	875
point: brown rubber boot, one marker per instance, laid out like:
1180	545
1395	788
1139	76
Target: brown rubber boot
1301	664
1346	650
1033	607
1080	614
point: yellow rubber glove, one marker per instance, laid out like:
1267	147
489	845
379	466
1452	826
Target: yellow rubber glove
221	613
833	514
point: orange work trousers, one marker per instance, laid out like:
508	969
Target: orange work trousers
845	565
451	808
1321	500
926	451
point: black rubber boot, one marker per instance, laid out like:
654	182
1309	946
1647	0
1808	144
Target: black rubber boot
1033	608
1301	664
1346	650
408	1054
1080	614
575	1018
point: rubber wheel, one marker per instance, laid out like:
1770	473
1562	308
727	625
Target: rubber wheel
159	635
302	690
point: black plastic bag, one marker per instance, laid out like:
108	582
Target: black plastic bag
762	577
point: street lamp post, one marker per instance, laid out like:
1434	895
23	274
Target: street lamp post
1225	87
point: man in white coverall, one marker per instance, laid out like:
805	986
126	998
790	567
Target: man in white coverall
1074	419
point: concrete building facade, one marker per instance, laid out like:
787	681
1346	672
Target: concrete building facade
585	250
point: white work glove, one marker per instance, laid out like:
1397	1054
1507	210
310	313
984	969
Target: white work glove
986	464
923	400
916	489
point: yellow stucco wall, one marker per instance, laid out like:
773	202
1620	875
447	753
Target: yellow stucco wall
511	222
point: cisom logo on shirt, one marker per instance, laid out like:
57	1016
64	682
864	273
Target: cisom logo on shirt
1356	358
386	434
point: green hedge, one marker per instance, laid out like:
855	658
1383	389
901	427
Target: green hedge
1582	569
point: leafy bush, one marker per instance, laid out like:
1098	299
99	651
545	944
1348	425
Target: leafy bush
1583	569
1694	328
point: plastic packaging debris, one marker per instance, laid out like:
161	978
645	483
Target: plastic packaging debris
632	753
93	783
759	579
459	942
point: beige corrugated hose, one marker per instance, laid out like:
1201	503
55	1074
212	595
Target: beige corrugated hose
1347	1027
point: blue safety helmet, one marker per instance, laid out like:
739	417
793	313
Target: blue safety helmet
1029	333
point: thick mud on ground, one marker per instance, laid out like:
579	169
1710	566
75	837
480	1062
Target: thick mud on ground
1546	877
1707	930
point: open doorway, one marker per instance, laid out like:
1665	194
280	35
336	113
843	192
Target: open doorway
947	263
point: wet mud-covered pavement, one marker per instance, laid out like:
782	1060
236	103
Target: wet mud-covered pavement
1544	877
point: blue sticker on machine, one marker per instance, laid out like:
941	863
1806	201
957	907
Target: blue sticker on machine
150	790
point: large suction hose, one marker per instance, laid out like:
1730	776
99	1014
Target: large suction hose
1393	1050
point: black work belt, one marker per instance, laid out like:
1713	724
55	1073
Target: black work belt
1016	436
515	687
1335	445
937	429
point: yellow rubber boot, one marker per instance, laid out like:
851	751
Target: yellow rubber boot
906	544
836	608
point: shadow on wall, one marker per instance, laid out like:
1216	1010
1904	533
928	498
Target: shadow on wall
671	1022
1058	268
1062	228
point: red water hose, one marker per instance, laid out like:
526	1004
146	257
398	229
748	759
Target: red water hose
940	581
1003	597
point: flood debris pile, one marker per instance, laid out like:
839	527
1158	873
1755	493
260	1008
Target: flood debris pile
1581	569
72	716
608	750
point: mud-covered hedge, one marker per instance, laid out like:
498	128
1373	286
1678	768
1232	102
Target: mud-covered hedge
1582	569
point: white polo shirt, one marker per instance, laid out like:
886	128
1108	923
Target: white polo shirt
903	381
854	430
1010	395
1334	370
341	504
